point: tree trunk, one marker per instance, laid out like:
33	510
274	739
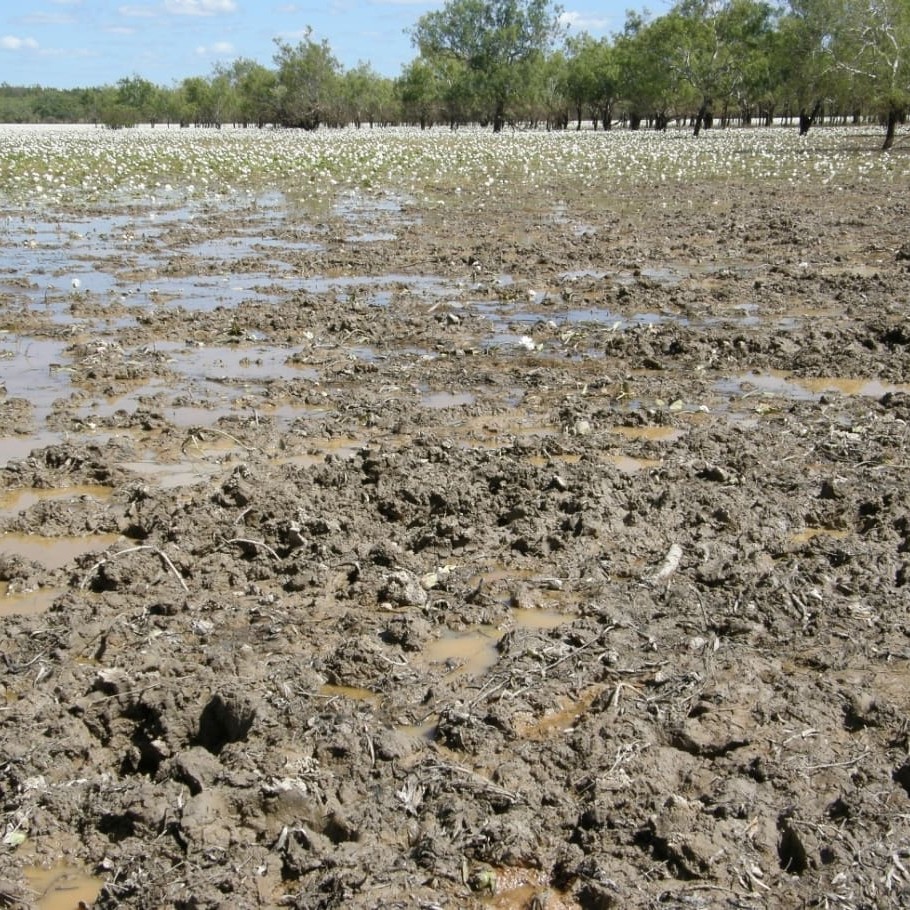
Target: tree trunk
499	117
891	127
702	118
578	116
806	120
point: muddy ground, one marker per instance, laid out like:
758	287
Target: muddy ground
551	555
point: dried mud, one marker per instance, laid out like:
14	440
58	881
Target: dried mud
417	556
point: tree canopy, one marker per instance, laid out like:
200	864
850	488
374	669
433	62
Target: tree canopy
501	62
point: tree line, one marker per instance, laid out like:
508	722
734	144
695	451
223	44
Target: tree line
509	63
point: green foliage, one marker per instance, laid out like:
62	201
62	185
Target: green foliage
497	42
500	61
592	78
419	90
309	84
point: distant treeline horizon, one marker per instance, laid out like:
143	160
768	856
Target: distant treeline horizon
508	62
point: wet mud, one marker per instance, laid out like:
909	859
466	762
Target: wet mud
401	555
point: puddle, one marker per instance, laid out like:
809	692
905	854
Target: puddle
473	652
245	246
30	603
16	448
62	887
34	369
428	285
629	465
349	693
807	534
783	385
505	324
518	888
563	719
531	618
870	388
14	501
369	237
470	652
441	400
318	449
498	429
234	364
542	461
172	475
53	552
650	434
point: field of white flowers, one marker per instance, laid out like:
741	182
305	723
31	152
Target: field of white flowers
85	166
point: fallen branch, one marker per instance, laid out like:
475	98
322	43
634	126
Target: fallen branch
667	567
197	438
255	543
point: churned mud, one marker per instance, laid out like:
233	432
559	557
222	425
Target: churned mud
555	555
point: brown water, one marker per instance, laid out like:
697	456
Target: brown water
629	465
470	652
15	501
651	434
806	534
473	651
53	552
30	603
439	400
61	887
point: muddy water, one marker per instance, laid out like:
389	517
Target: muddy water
28	603
53	552
61	887
569	707
471	652
786	385
18	500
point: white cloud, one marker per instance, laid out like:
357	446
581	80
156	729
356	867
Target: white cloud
583	22
199	7
13	43
48	19
136	12
218	49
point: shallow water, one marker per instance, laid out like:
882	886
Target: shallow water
62	887
53	552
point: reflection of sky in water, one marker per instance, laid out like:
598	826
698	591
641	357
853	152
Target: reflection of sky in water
34	369
801	388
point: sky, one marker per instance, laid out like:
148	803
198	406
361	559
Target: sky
84	43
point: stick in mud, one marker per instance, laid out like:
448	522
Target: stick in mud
669	565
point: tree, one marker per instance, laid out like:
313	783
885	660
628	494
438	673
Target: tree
418	89
648	66
719	40
873	46
592	78
308	83
366	95
252	90
803	58
496	41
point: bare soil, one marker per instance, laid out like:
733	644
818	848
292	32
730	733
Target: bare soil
545	556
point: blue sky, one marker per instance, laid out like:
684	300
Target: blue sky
78	43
